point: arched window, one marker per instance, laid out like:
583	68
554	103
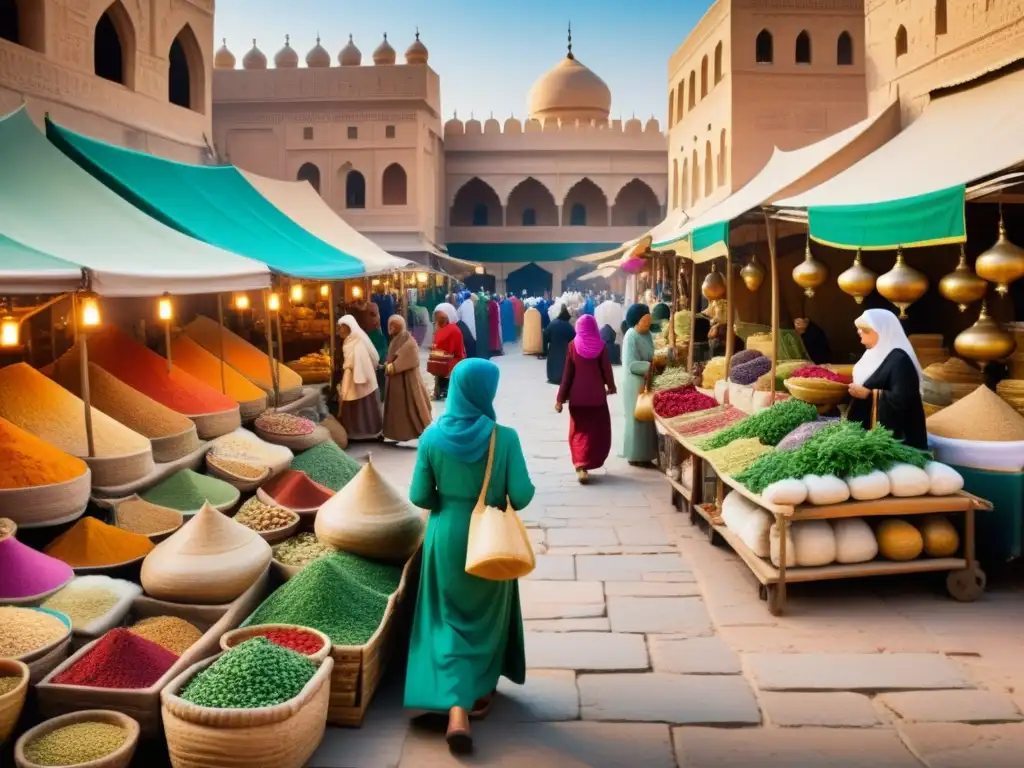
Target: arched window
22	23
675	184
709	171
529	217
355	190
476	204
693	90
844	50
803	48
480	215
695	180
684	186
680	104
578	215
114	46
718	63
309	172
704	77
10	28
394	185
764	49
671	106
722	161
901	41
940	17
185	80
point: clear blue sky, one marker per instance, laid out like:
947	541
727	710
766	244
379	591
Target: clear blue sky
487	52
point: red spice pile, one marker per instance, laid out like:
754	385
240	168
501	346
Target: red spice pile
711	423
121	659
817	372
295	490
673	402
295	640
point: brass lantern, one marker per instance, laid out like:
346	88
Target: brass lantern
1003	262
961	285
984	341
810	273
902	285
713	287
752	274
858	281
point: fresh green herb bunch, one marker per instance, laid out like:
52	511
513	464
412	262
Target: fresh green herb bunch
769	426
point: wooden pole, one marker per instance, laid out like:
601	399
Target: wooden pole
729	343
220	343
692	349
669	260
167	344
268	321
769	230
280	359
333	331
83	370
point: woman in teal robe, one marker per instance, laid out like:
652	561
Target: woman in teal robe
380	343
483	326
640	444
467	631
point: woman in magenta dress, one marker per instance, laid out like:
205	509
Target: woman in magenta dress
494	316
587	381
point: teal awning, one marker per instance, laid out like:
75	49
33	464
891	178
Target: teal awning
496	253
215	204
25	270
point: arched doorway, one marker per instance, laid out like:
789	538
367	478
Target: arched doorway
585	206
476	204
355	190
531	278
309	172
531	204
477	283
394	185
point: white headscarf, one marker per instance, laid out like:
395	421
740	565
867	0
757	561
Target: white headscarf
891	336
363	365
467	314
610	313
448	311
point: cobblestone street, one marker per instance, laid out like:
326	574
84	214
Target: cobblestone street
648	646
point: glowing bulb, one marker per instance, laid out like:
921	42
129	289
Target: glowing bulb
90	312
375	282
9	332
325	290
242	301
479	270
297	292
164	309
357	292
421	277
273	302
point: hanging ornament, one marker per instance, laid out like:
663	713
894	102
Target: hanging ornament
1003	262
961	285
713	287
858	281
752	274
984	341
902	285
810	273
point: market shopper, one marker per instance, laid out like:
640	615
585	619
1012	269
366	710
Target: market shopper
557	337
886	386
360	411
406	401
483	326
533	334
611	343
380	343
640	443
815	341
447	343
467	631
467	325
494	326
587	381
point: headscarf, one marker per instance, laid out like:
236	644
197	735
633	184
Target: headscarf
467	315
891	336
363	367
660	312
635	314
374	316
399	339
448	311
563	313
465	428
588	341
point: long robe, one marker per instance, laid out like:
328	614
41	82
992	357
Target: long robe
520	309
360	412
449	340
584	385
467	339
380	343
640	441
467	631
508	322
816	343
406	402
900	408
609	337
483	328
557	337
533	334
494	327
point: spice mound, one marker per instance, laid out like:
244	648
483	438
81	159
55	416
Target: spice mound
671	378
76	744
982	416
293	489
696	426
83	604
120	659
26	630
242	445
240	469
257	673
749	372
91	543
263	517
328	465
140	516
24	572
187	491
8	683
241	355
170	632
285	424
298	640
673	402
195	360
301	550
28	462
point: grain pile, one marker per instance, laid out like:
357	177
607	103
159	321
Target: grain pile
140	516
41	406
83	604
186	491
241	355
264	517
75	744
301	550
981	415
714	371
242	470
8	683
950	381
192	358
285	424
119	659
28	462
242	445
170	632
26	630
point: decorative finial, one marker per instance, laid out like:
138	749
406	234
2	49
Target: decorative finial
318	38
492	114
225	41
417	32
385	36
569	54
287	41
350	37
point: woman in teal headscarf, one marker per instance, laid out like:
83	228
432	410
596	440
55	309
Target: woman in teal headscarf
380	343
659	315
467	632
640	444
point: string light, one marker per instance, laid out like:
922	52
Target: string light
357	292
242	301
274	302
325	290
90	312
421	277
297	292
165	310
375	282
10	332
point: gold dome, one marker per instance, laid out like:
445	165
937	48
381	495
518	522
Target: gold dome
417	53
570	91
254	59
286	58
224	59
350	56
385	54
318	57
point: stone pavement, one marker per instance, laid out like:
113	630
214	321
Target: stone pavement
647	646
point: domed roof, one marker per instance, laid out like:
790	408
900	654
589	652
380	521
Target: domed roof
384	54
652	125
570	91
633	125
286	58
417	53
318	57
473	127
254	59
224	59
512	125
350	56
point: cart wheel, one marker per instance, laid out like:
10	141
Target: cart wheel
776	603
966	585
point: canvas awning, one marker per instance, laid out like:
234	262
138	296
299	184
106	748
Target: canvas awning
215	204
911	191
58	215
302	204
601	256
25	270
414	242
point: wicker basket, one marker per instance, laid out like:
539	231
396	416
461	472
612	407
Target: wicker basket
297	443
110	471
250	409
281	736
230	639
817	395
157	536
46	505
243	484
211	425
119	758
174	447
12	702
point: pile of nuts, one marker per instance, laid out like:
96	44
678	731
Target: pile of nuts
263	517
285	424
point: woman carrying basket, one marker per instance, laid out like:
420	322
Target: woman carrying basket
448	348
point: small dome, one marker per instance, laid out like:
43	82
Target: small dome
224	59
350	56
254	59
512	125
570	91
652	126
473	127
454	127
491	125
286	58
318	57
417	53
384	54
634	126
532	125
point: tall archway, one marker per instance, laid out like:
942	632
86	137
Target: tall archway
703	78
22	22
680	104
675	184
764	48
693	90
718	63
355	190
476	204
941	13
695	180
636	205
671	106
531	204
723	154
684	186
311	173
709	170
394	185
803	47
844	49
531	278
114	46
585	205
186	76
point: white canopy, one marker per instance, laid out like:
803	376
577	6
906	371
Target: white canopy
962	136
414	242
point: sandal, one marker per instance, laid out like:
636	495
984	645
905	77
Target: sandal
460	741
482	707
